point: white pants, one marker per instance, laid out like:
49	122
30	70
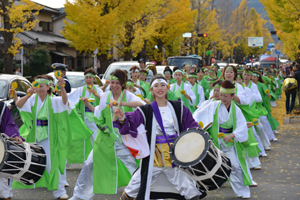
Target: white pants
236	175
273	103
5	188
182	182
62	178
263	135
92	126
267	127
84	184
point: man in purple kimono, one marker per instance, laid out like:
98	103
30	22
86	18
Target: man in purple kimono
8	127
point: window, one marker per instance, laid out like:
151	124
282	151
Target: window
23	86
46	26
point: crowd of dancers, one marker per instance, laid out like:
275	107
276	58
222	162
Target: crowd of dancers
233	103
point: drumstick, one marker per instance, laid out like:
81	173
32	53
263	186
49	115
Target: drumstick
207	126
121	99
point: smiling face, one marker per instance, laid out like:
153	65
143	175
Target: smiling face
89	80
229	74
42	90
217	93
115	86
254	79
159	90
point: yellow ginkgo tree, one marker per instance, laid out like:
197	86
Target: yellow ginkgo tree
16	18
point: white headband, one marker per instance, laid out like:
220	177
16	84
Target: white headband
159	80
135	70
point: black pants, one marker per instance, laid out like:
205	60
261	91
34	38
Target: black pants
287	102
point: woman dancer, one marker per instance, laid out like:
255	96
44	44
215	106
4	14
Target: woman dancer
197	89
93	93
113	162
228	119
161	126
50	131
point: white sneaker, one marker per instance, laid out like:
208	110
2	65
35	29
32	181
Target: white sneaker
275	132
275	140
75	198
257	168
254	184
267	149
64	196
264	155
67	185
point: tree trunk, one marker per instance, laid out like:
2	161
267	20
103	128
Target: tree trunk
127	55
144	50
104	62
160	51
8	38
8	63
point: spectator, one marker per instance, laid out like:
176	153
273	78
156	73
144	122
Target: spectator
98	70
297	77
290	72
18	71
142	63
69	68
290	87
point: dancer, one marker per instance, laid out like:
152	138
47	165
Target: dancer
50	114
183	91
113	162
203	82
197	89
158	127
93	93
134	73
270	124
168	75
229	119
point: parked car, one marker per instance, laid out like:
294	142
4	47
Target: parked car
77	79
125	65
22	86
180	60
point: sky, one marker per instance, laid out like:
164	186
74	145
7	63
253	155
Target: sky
52	3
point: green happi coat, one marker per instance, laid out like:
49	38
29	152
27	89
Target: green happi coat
80	149
266	104
109	171
271	85
206	88
186	102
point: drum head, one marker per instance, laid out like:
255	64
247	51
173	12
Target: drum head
3	148
190	147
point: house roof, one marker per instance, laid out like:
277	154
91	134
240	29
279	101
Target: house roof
47	9
44	37
25	40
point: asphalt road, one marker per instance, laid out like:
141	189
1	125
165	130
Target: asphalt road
279	177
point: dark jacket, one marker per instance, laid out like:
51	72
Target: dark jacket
297	77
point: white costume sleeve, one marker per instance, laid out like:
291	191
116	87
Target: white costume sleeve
242	95
249	95
28	104
205	114
202	97
172	86
241	131
189	91
211	93
255	93
75	95
58	106
205	103
99	91
132	97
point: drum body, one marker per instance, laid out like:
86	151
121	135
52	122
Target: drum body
194	152
24	163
